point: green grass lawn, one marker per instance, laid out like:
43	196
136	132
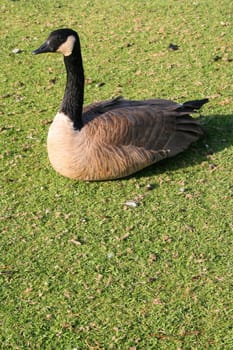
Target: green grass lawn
78	268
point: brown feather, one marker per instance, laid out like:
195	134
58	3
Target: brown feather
119	138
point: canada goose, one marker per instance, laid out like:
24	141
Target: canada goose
115	138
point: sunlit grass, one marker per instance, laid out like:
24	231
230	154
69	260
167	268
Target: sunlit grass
78	268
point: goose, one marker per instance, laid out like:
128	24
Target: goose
114	138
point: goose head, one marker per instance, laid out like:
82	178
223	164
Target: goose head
60	40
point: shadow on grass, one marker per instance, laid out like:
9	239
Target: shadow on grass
218	136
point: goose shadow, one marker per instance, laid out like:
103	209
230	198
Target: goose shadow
218	135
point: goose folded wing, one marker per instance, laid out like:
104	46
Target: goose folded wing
145	126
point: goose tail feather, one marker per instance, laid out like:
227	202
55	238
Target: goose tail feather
188	129
192	106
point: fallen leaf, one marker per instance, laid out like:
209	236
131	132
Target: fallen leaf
227	101
131	204
157	301
27	290
74	241
125	236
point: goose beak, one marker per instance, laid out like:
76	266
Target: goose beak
42	49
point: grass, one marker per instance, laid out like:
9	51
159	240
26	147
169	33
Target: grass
79	269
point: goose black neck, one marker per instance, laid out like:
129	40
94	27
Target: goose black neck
72	103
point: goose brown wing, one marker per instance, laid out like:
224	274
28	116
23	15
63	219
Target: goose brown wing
141	126
151	126
125	140
128	139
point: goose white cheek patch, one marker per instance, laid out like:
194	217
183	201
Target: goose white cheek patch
67	47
